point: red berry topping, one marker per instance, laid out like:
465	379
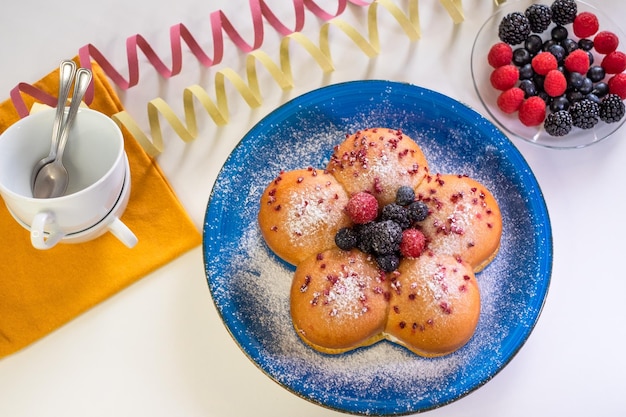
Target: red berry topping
555	83
586	25
577	61
413	243
617	85
504	77
614	62
500	54
544	62
510	100
362	208
605	42
532	112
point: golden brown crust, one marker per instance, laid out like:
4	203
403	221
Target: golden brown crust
435	305
339	300
300	213
378	160
464	218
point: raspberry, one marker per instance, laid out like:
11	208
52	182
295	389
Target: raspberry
612	108
500	54
539	16
346	238
564	11
555	83
413	243
558	123
504	77
617	85
614	62
362	208
605	42
577	61
510	100
586	25
532	112
584	113
544	62
514	28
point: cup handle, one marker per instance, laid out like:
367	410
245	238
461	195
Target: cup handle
38	237
122	232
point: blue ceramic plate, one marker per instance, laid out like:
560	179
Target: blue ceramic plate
250	285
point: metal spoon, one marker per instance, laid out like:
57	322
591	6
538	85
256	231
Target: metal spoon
67	69
52	179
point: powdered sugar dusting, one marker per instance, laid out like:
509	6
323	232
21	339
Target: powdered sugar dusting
250	285
309	212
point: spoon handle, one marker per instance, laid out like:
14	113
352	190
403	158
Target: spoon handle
83	78
67	69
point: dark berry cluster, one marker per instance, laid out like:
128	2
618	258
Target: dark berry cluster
393	234
560	56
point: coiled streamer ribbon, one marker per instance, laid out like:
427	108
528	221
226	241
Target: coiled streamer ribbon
250	91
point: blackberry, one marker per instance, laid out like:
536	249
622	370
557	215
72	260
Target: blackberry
584	113
346	238
386	237
364	233
564	11
612	108
558	123
514	28
389	262
405	195
418	211
396	213
539	17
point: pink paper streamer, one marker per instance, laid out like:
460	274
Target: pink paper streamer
179	33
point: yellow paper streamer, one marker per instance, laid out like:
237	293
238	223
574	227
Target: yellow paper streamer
281	73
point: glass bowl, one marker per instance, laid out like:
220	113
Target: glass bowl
481	70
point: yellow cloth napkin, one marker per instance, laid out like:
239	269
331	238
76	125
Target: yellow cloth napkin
42	290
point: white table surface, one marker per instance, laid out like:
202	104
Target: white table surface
158	348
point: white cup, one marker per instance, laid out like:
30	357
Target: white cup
99	179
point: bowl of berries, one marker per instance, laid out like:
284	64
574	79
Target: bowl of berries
553	74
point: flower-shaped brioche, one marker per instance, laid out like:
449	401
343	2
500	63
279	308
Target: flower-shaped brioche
341	299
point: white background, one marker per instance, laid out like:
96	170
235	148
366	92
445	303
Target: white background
158	348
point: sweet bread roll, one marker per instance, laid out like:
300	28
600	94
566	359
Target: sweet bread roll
434	305
339	301
379	161
300	213
464	218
